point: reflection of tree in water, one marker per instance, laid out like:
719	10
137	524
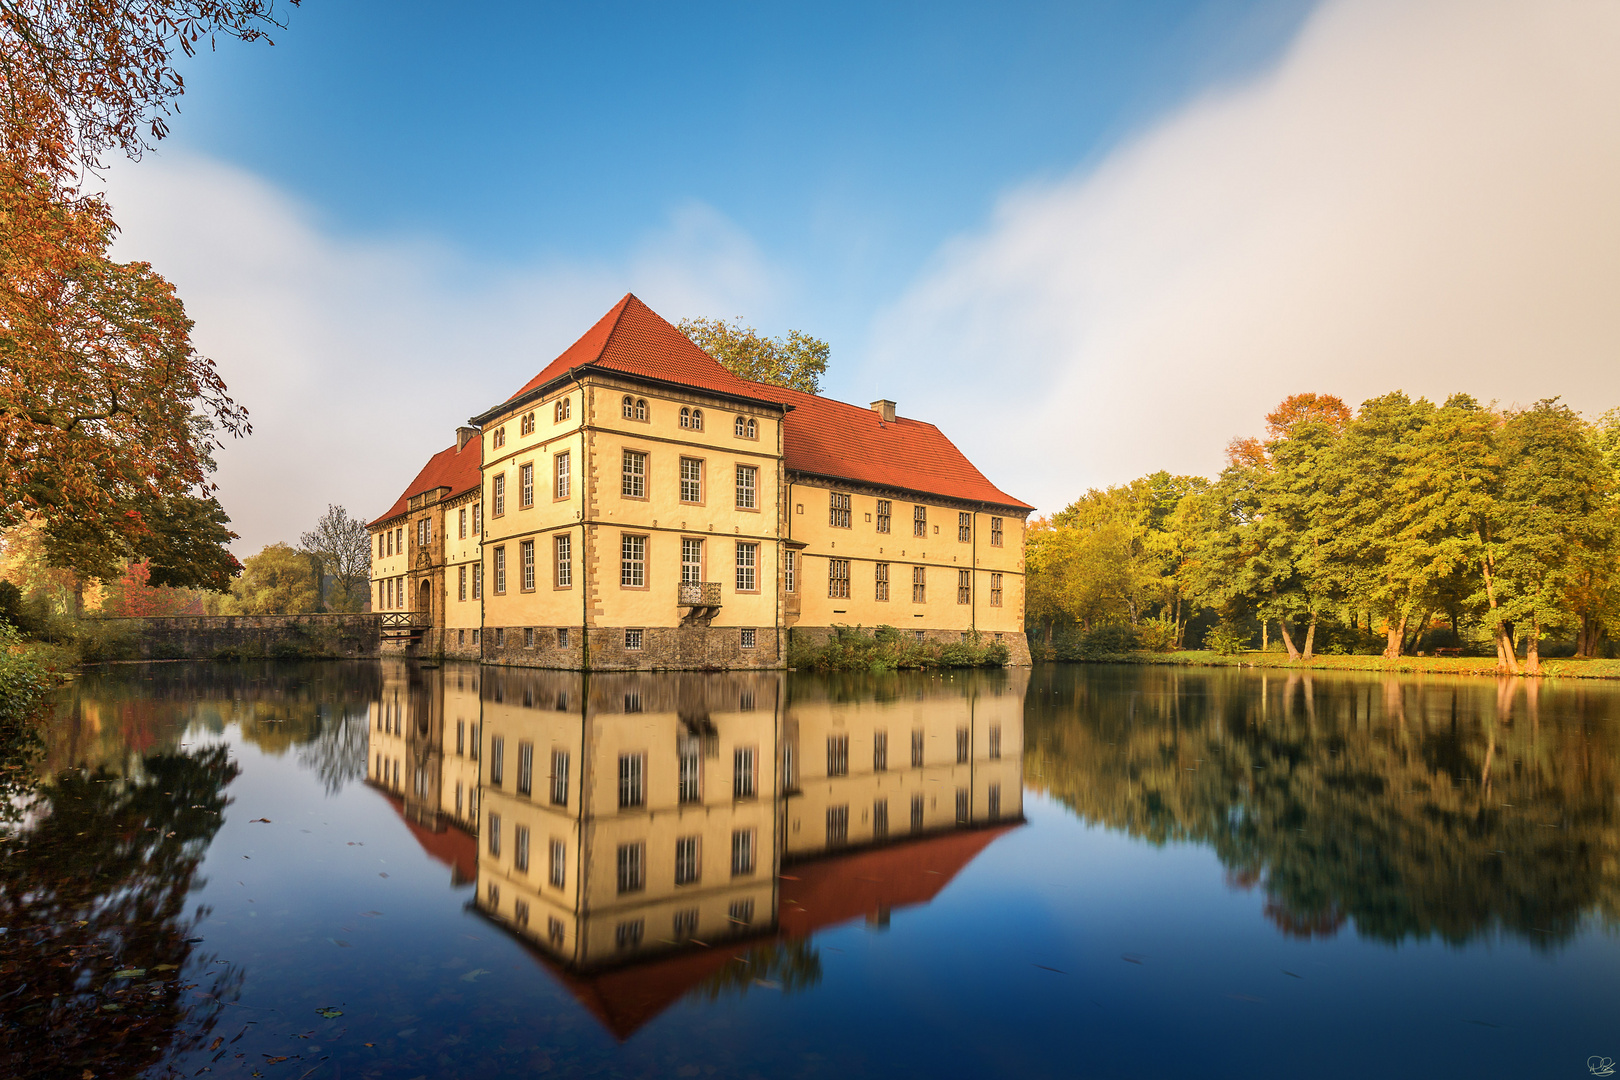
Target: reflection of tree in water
93	959
1413	809
790	966
337	753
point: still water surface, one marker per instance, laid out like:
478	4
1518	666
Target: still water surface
295	871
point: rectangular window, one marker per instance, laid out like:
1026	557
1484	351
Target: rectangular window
790	571
562	643
880	751
837	825
961	806
495	834
838	755
919	521
992	801
919	585
564	476
498	495
839	510
555	930
687	747
964	527
461	737
686	860
995	741
691	480
421	533
632	869
964	744
461	524
632	639
562	560
685	924
633	562
881	575
632	780
525	776
838	579
747	557
995	532
916	748
691	561
880	819
916	813
742	852
995	590
885	512
559	778
747	487
559	862
747	637
477	590
520	849
500	571
497	759
478	519
461	582
742	773
633	483
526	484
526	559
627	935
964	586
741	912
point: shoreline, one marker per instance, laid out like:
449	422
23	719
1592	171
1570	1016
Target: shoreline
1561	667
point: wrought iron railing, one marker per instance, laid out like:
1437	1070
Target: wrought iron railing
699	594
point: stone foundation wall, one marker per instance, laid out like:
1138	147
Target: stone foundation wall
234	637
669	648
1017	643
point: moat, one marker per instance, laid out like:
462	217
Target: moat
384	869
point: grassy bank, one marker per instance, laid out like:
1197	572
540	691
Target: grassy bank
1434	665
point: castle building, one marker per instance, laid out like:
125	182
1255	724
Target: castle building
635	505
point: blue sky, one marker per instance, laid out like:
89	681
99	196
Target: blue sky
1087	239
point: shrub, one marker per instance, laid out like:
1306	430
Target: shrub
887	649
1227	638
1157	635
24	680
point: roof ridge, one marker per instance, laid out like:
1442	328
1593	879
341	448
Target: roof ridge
623	306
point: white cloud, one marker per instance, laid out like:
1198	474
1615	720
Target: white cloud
1419	195
357	358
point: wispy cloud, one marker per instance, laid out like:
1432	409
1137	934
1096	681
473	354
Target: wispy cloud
357	357
1417	196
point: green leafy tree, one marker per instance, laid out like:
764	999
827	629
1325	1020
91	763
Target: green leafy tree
797	361
279	580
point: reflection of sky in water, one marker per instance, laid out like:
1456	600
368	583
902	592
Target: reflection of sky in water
1062	948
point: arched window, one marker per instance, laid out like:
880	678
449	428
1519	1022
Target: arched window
641	408
562	409
697	419
686	417
740	429
629	407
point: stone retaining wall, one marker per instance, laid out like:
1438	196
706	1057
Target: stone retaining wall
232	637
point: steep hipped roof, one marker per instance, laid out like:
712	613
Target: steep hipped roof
823	437
458	470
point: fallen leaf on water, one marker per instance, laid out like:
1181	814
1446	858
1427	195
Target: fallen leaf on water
166	967
257	820
330	1013
129	973
369	914
1043	967
1132	958
472	976
268	1060
382	875
217	1043
112	1008
339	944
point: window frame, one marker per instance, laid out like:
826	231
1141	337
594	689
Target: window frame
497	495
919	584
562	478
964	527
499	566
838	579
885	515
633	571
919	520
562	560
995	532
964	586
995	588
633	470
746	566
526	566
697	466
840	510
526	485
880	582
747	487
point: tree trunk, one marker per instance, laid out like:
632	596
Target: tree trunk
1310	638
1532	649
1417	634
1288	639
1265	635
1506	662
1395	637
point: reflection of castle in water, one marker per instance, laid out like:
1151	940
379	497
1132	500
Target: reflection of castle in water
632	828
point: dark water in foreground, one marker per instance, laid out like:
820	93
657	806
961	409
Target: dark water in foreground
295	871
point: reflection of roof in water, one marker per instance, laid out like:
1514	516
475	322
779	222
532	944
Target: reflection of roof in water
454	847
814	896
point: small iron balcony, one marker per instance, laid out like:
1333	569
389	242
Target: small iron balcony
699	594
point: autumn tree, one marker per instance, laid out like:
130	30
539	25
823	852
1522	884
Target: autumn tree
279	580
797	361
342	548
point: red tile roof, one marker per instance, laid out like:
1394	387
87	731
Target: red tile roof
823	437
459	470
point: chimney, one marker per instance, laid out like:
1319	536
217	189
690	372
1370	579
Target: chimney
885	410
465	435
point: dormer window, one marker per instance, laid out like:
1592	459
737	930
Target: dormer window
692	419
634	408
745	428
